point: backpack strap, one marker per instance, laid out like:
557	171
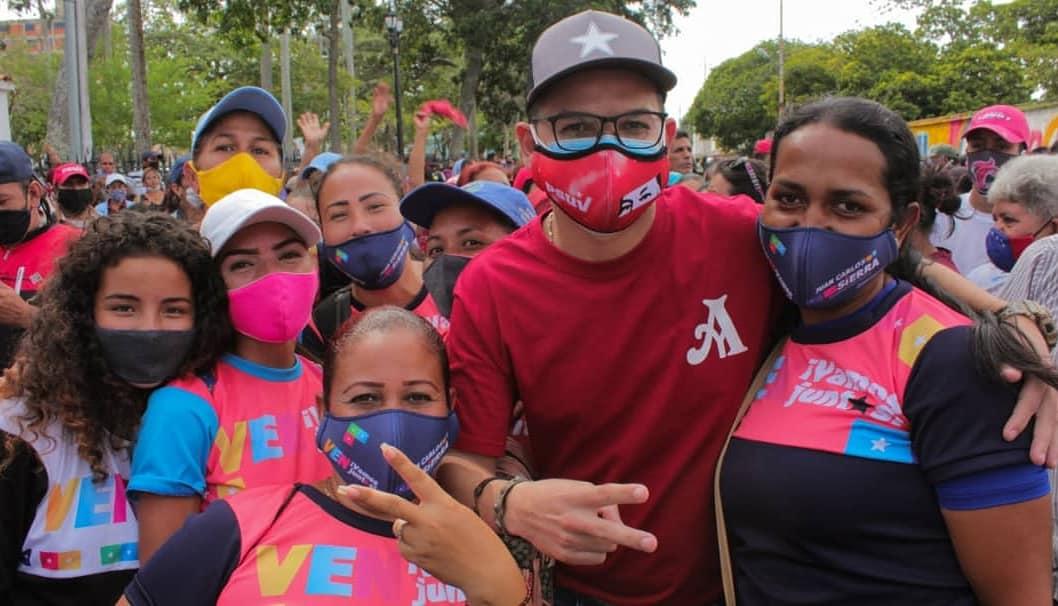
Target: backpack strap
726	571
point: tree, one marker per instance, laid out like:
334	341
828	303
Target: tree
34	78
141	110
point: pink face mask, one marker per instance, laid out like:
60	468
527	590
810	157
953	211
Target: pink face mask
275	308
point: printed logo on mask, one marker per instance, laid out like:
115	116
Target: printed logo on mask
984	172
640	196
850	276
776	246
571	199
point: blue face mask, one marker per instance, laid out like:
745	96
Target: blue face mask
1004	251
374	261
352	445
118	195
821	269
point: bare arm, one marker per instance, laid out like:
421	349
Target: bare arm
417	159
159	518
953	283
379	105
1005	551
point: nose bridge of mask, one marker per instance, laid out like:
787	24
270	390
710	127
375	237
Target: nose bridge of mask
584	145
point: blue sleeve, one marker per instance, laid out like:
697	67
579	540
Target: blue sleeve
957	413
1003	486
194	565
172	448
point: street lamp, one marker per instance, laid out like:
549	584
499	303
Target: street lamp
394	26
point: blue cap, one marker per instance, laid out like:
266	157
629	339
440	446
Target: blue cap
424	202
321	163
177	170
15	165
250	99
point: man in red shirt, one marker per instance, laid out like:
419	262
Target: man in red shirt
629	321
29	245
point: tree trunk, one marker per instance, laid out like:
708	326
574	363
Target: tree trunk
266	62
468	102
350	63
332	76
284	82
141	109
98	12
47	41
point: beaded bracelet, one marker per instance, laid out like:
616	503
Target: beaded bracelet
480	488
500	508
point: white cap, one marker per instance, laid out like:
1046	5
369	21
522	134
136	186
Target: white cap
112	177
247	207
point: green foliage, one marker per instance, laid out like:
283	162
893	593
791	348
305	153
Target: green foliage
33	75
962	56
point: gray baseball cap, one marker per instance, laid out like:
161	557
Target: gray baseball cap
595	39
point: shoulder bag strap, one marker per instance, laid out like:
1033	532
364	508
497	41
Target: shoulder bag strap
726	571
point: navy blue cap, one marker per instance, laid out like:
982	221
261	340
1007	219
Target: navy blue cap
424	202
320	163
15	165
250	99
177	170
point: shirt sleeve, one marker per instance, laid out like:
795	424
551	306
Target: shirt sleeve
1035	276
23	484
172	449
194	565
957	414
481	370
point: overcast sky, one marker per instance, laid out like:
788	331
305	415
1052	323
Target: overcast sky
717	30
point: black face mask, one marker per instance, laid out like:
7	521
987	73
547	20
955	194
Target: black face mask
74	201
440	280
145	358
14	224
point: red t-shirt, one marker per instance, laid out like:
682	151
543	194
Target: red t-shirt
631	370
35	259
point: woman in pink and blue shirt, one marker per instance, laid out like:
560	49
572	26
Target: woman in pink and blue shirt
870	468
385	391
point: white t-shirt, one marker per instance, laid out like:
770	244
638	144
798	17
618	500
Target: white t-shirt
967	241
989	277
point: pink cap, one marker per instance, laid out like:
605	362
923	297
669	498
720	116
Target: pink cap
65	171
762	146
1004	120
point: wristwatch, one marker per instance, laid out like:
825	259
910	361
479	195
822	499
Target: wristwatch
1038	314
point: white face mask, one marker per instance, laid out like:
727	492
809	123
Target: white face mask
193	198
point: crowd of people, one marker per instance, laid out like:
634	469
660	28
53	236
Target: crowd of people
610	374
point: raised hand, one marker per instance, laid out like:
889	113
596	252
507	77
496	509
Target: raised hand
381	99
441	535
311	130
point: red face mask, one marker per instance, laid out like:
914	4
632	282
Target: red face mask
605	191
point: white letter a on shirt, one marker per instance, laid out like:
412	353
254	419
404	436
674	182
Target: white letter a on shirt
717	328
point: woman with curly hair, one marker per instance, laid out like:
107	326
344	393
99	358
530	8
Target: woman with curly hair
134	302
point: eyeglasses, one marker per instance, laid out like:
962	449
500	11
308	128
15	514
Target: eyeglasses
574	132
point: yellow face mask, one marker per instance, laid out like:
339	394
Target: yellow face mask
240	171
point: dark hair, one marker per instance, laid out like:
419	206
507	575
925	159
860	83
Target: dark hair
383	319
384	164
746	176
937	195
996	343
59	368
682	134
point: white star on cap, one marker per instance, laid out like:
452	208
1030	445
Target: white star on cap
592	40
